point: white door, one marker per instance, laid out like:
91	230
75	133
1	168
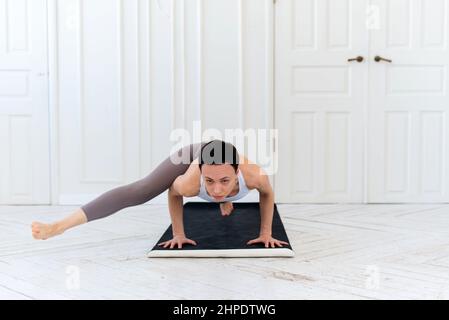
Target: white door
320	99
408	104
24	133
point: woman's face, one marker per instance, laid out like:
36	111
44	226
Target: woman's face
219	180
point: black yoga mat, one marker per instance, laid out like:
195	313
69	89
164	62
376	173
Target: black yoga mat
224	236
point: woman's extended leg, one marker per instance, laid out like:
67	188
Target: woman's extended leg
141	191
43	231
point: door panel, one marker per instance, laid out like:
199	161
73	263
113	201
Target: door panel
24	133
408	104
320	99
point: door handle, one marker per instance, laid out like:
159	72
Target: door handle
358	59
379	58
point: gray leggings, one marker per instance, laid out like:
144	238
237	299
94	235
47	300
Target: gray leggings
141	191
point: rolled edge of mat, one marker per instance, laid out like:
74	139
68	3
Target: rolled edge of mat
222	253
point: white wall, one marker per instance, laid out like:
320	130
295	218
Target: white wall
124	73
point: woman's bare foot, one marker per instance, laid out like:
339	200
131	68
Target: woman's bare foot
226	208
42	231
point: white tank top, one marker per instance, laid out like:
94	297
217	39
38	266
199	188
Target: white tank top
243	191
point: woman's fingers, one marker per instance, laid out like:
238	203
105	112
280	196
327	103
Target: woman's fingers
191	242
173	244
279	244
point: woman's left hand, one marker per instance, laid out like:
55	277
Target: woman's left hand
268	241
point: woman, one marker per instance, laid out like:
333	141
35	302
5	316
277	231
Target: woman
213	171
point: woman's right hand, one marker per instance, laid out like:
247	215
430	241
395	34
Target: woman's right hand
177	241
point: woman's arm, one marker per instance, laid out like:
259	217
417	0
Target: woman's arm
266	204
266	198
175	206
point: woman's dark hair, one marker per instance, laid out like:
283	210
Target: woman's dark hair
219	152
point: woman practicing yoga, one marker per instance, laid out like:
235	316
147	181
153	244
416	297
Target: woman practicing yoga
213	171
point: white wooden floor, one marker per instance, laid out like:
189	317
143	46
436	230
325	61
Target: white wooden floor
342	252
